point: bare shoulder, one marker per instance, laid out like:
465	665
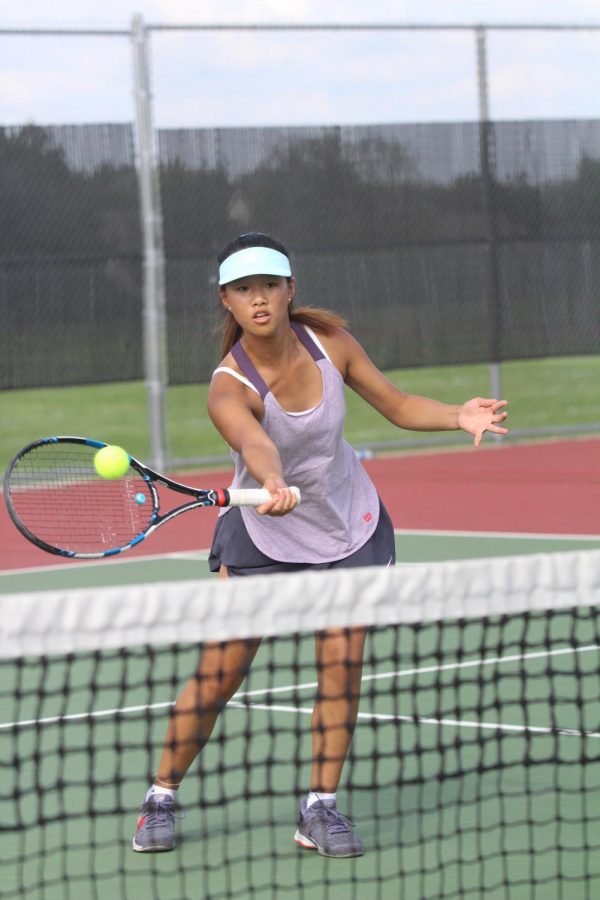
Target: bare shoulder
342	348
225	388
222	381
224	374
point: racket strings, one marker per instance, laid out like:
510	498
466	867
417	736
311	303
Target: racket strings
59	497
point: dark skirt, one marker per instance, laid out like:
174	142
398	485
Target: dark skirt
233	548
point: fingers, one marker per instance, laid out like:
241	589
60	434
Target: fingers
499	416
494	404
283	501
494	429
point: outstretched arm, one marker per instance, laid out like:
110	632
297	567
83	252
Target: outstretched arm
410	411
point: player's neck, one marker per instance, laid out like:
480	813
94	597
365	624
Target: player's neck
273	348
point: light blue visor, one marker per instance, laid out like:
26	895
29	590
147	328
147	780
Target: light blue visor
254	261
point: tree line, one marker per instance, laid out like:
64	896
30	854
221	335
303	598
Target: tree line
316	193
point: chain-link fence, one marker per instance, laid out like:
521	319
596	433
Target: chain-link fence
441	243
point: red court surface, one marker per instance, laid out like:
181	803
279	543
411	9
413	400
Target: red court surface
550	488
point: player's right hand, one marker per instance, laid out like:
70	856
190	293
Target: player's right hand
283	499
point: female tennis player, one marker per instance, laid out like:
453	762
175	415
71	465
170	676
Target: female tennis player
278	400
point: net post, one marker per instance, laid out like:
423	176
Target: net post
154	299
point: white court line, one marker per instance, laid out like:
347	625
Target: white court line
424	720
403	673
113	561
236	704
303	710
202	555
498	535
96	714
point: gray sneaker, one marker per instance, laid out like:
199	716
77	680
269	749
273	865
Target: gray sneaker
326	830
156	824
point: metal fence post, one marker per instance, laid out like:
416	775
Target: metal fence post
488	174
154	316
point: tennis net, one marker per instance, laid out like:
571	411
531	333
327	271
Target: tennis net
474	769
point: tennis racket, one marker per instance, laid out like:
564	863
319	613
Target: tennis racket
58	501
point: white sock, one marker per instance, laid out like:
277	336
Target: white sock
156	789
313	797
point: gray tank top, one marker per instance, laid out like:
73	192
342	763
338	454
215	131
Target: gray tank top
340	506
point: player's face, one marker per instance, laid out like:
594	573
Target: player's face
258	302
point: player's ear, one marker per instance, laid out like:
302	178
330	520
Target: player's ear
223	297
291	287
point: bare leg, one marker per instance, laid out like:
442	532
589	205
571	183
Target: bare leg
220	672
339	664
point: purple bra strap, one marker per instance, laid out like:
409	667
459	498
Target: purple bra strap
249	370
308	342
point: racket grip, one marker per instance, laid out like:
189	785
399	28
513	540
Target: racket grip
253	496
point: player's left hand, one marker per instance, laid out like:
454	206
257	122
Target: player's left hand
480	415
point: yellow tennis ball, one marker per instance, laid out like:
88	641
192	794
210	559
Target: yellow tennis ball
111	462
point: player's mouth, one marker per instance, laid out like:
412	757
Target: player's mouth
261	317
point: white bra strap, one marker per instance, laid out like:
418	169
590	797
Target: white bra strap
317	342
236	375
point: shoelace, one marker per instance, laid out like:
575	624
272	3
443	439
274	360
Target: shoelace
336	821
155	811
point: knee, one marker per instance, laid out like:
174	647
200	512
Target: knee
214	691
339	679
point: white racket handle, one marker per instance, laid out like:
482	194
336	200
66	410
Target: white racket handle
254	496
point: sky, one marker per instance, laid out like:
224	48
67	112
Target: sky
225	78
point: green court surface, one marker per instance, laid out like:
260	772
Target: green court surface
508	798
411	547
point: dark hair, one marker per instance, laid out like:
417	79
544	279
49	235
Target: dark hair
250	239
319	319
